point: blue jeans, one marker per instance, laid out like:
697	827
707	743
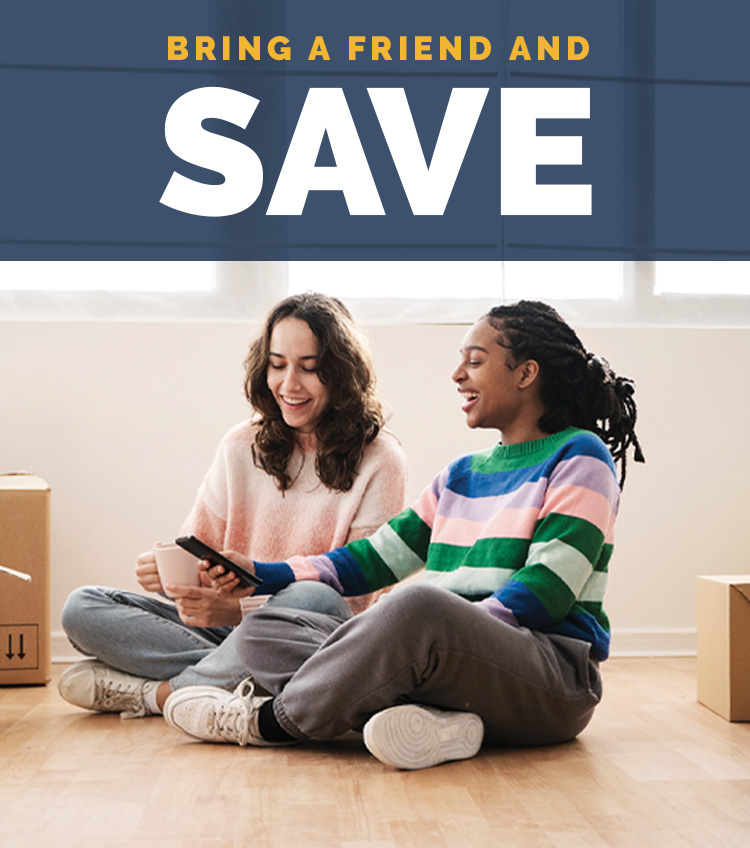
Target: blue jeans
145	636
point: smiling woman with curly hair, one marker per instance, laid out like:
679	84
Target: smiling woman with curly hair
353	417
313	468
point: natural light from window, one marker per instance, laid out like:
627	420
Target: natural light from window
459	280
702	278
107	276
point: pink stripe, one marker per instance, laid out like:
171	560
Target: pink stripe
506	524
589	472
303	569
425	506
579	502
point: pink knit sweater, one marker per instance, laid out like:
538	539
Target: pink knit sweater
240	508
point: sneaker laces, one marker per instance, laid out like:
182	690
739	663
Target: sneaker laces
111	696
230	721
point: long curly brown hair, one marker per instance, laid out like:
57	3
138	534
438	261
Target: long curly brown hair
355	415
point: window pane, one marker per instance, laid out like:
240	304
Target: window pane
107	276
563	280
423	280
460	280
707	278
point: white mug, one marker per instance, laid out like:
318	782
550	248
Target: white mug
176	566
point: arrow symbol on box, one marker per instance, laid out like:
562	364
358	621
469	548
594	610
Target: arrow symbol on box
21	652
10	653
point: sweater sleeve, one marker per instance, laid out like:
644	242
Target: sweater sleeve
394	551
565	572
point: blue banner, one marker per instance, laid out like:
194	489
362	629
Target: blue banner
290	129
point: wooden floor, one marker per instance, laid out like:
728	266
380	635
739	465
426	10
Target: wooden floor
653	770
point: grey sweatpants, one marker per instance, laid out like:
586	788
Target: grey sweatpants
422	645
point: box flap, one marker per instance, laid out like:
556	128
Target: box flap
22	480
726	579
743	589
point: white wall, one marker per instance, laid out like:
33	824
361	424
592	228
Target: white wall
122	420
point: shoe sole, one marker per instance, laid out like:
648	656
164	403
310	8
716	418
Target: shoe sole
417	737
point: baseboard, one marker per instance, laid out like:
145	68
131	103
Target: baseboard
642	642
61	650
627	642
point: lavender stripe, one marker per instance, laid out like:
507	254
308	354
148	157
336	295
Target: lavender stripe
528	496
439	483
327	571
586	471
498	610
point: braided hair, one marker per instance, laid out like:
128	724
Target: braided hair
578	389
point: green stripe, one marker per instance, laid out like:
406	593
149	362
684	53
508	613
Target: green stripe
486	553
580	534
410	527
487	463
549	589
393	550
606	556
375	571
411	530
563	560
526	455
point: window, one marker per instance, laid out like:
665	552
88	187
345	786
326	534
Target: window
139	291
588	293
107	276
452	292
703	278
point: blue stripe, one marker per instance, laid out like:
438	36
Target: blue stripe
585	627
275	576
530	612
585	443
476	484
528	609
349	573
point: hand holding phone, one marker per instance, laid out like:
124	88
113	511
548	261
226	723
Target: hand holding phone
201	550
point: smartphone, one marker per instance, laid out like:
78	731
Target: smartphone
200	549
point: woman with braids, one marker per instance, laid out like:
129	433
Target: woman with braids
312	470
503	638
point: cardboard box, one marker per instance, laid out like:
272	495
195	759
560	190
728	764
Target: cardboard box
724	645
24	606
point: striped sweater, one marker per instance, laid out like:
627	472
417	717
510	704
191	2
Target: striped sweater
523	530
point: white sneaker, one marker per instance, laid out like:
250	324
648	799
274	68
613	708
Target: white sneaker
414	736
92	685
215	715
